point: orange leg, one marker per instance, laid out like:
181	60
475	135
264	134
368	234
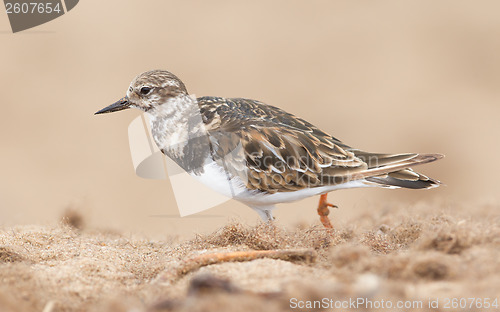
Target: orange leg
323	211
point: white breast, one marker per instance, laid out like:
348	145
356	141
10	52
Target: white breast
217	178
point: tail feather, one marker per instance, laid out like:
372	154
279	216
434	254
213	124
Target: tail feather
406	178
394	170
376	160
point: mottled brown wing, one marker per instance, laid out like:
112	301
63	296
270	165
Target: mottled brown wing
281	152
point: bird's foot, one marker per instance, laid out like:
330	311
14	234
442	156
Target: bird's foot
324	211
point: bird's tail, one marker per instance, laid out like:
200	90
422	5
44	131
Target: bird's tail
394	170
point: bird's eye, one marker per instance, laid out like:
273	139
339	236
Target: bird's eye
145	90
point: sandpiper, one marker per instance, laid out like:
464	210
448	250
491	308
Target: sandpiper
259	154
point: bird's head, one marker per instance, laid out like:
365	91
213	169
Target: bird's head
149	90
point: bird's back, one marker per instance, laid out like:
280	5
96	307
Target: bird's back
284	153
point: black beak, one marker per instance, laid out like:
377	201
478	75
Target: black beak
119	105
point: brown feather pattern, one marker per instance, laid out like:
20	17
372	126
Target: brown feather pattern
283	153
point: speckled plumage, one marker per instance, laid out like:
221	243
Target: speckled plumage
299	154
267	150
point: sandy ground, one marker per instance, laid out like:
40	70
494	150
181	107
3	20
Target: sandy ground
391	255
384	76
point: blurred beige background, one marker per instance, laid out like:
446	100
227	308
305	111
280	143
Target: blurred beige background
386	76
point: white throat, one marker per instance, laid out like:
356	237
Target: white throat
175	122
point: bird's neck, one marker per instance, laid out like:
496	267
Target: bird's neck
179	132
